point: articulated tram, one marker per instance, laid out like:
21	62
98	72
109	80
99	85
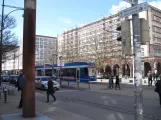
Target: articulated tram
82	71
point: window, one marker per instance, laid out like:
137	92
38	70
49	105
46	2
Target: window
84	71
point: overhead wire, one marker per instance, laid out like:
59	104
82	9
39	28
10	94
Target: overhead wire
15	3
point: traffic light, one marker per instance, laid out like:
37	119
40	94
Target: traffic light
125	36
119	36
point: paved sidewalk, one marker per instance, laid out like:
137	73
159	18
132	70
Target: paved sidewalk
51	111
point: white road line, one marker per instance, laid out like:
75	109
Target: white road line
66	90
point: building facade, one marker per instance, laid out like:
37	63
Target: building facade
97	42
93	42
45	47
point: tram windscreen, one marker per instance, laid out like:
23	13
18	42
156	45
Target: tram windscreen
92	71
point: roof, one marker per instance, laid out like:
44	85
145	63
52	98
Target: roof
45	36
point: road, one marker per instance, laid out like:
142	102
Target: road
102	104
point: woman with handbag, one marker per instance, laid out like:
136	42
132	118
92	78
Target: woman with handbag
50	90
158	89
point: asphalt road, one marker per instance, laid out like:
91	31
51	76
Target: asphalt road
101	105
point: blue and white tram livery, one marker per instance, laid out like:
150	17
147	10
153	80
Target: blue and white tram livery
75	71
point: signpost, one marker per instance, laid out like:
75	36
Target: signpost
137	61
129	1
133	10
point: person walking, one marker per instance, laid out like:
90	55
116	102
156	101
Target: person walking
20	88
50	90
117	84
149	78
158	89
0	86
110	82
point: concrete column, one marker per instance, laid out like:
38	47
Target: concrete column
29	58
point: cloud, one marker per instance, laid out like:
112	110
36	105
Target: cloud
66	20
123	5
116	8
156	4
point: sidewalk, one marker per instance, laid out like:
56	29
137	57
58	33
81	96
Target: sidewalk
53	112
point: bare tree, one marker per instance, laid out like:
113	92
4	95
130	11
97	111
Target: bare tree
9	41
99	48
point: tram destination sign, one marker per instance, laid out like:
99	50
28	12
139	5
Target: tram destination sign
134	10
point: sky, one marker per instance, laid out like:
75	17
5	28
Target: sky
55	16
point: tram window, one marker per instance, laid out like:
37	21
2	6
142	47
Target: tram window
85	72
48	72
39	73
69	72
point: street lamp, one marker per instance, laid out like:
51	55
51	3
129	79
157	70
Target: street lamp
2	28
54	63
60	58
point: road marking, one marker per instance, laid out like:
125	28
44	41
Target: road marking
66	90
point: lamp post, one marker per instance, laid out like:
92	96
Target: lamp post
54	63
60	58
2	28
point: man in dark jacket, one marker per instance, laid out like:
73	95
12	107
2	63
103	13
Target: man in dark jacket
50	90
117	84
158	89
20	87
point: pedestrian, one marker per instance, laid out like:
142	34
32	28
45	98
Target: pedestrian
50	90
158	89
20	88
149	78
0	80
112	81
110	86
0	86
117	84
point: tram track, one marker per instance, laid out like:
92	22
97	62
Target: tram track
107	107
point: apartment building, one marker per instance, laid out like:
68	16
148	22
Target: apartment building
97	42
45	47
92	42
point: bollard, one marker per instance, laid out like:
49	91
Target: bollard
89	85
5	94
78	84
68	83
0	91
60	82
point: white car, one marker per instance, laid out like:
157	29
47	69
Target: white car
42	81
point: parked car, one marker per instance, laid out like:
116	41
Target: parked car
41	82
5	78
99	76
13	79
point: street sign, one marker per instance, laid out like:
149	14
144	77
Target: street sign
134	10
129	1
